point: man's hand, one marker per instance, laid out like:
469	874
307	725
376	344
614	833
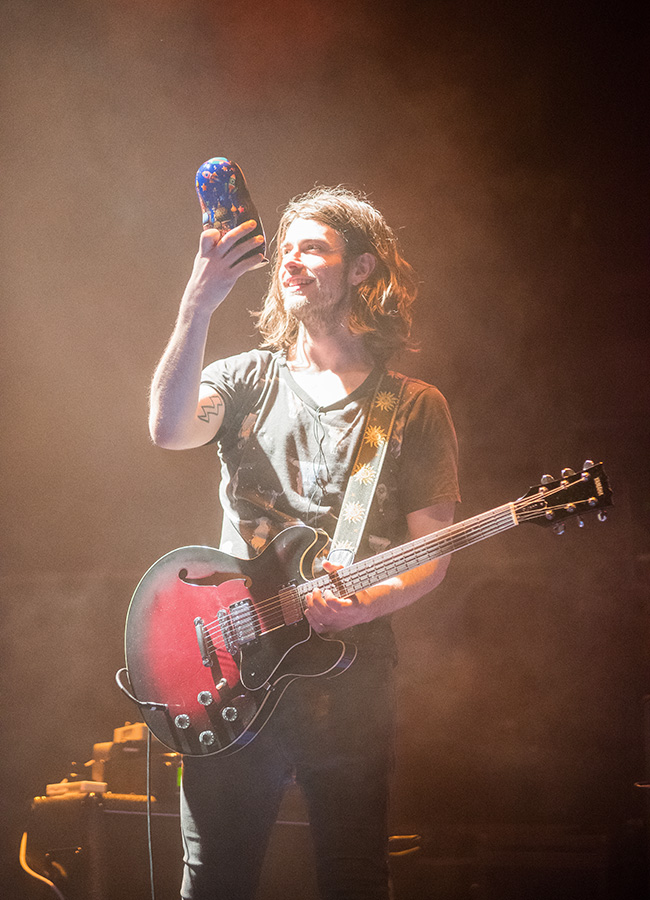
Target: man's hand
220	262
327	612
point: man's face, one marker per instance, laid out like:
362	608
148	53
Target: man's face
314	271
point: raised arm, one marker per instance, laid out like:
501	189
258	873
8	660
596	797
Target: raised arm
181	414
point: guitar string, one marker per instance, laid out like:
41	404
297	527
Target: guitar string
485	529
527	509
373	563
243	618
269	623
292	599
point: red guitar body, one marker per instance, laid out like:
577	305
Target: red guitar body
212	644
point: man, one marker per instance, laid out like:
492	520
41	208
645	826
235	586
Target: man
287	421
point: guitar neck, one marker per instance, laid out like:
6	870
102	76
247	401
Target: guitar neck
397	560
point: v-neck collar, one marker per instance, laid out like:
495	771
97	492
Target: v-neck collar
366	387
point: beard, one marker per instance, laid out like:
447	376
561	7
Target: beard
318	319
325	312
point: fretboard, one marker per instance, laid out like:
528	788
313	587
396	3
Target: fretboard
397	560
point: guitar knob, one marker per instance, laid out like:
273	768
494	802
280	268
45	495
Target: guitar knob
229	714
207	738
182	721
204	698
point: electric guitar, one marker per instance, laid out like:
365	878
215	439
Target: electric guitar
213	641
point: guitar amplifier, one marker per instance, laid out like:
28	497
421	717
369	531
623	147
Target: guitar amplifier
95	847
122	764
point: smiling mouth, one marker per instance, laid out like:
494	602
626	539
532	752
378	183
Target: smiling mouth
296	283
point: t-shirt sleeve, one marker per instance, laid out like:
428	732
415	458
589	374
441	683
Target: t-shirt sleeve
428	457
237	380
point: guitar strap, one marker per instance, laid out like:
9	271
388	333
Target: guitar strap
366	469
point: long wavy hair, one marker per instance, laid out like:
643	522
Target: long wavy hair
380	307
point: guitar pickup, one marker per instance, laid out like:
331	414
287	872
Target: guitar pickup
239	625
290	604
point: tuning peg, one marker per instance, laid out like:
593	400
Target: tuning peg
566	473
547	479
602	516
559	528
588	464
580	521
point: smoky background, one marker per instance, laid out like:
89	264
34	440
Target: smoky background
507	147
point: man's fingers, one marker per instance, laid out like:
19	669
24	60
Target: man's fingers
327	600
208	240
244	233
245	252
226	240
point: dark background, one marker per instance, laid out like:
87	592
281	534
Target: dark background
505	142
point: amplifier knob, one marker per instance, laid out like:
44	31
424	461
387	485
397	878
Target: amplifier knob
229	713
207	738
204	698
182	721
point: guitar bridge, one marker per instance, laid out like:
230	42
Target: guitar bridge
239	625
206	658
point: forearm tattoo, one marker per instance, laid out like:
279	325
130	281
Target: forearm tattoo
210	408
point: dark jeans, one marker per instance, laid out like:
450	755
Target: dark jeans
336	737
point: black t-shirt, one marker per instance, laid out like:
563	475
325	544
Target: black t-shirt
285	460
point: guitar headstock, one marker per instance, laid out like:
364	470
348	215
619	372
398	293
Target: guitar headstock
574	494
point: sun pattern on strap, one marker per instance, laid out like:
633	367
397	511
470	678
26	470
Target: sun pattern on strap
365	474
367	466
386	400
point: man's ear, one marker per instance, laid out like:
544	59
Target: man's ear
362	267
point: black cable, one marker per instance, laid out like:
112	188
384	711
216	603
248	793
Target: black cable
150	704
149	837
